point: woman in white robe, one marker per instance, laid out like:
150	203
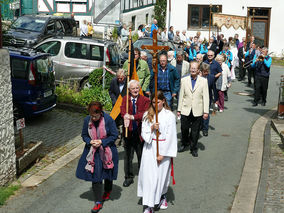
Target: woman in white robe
154	173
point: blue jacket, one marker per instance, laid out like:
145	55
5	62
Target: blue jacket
153	27
262	68
229	56
99	172
212	88
174	79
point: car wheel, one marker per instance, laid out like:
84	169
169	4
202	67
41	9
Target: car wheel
85	84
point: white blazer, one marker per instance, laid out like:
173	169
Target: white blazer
196	99
184	68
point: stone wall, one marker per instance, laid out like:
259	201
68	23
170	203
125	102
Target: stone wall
7	145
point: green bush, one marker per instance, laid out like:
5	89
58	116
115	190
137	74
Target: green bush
96	78
67	94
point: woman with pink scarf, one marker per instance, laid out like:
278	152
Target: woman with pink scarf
99	160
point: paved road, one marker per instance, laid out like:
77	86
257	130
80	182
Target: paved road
204	184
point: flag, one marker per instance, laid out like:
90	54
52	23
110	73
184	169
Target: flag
133	76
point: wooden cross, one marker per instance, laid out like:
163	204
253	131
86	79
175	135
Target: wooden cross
154	51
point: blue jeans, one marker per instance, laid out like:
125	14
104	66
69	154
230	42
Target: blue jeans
205	124
168	96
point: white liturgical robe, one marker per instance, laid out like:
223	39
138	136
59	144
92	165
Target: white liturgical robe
154	179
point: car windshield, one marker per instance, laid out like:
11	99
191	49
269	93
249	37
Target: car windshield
29	23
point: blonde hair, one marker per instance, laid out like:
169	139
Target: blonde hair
151	109
219	58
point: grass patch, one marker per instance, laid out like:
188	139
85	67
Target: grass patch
6	192
278	61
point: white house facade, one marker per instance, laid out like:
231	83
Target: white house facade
193	16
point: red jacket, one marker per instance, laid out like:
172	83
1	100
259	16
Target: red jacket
142	105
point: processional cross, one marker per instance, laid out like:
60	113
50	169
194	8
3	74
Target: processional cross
154	50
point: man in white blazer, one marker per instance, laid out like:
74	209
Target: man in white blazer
180	64
193	105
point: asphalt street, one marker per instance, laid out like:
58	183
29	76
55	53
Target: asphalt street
204	184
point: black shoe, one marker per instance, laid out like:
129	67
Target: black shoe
254	104
263	104
249	84
239	79
127	182
182	148
226	98
205	133
194	153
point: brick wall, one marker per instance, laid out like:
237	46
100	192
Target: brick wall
7	146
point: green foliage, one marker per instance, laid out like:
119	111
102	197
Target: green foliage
134	37
67	94
96	78
160	10
114	34
6	192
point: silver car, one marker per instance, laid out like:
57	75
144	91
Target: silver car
74	58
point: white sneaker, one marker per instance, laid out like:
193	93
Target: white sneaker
220	110
163	204
148	210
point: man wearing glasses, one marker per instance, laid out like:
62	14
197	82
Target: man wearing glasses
215	67
168	79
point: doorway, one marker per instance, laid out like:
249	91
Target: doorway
260	25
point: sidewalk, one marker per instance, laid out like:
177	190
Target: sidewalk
261	189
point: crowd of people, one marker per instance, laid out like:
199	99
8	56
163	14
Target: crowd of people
196	77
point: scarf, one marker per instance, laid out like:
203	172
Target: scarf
105	153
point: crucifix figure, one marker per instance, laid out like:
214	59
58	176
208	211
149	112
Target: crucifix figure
154	50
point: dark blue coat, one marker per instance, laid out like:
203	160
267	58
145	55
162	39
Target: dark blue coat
174	79
99	172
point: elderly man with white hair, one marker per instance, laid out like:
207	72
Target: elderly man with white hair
137	105
183	36
180	64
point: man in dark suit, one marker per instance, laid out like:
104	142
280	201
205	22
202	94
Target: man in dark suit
212	45
204	69
219	45
117	86
241	56
137	105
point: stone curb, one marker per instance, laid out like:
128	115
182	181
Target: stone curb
277	125
46	172
245	198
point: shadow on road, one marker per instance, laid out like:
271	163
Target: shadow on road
115	194
257	110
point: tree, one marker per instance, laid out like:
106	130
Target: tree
160	10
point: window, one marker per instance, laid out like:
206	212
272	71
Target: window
147	18
19	68
50	27
133	20
113	55
198	15
97	53
51	47
76	50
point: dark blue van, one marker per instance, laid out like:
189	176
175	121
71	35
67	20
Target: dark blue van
33	82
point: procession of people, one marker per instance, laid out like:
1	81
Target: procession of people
186	85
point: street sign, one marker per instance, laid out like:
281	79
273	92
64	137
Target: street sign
20	123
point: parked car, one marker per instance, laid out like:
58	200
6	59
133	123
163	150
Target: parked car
146	41
33	82
31	29
74	58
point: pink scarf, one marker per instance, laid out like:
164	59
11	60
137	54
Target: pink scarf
105	153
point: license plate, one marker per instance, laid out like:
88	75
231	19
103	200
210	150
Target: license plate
48	93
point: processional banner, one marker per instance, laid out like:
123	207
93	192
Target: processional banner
228	21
